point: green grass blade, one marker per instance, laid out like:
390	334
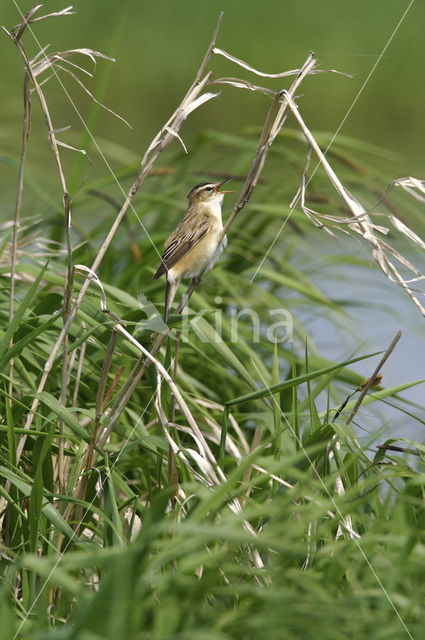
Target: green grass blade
63	413
49	511
20	312
287	384
276	404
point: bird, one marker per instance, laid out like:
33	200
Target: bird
192	249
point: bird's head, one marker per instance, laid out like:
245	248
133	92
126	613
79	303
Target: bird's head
208	192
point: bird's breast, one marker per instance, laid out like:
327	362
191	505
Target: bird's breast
202	257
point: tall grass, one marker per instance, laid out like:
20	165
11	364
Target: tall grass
228	494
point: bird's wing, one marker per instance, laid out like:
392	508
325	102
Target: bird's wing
181	241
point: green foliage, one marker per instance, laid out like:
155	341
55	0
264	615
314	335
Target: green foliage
291	527
130	560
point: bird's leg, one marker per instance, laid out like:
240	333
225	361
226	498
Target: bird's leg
185	299
170	292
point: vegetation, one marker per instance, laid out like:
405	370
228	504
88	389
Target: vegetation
224	491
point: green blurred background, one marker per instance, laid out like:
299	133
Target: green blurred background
158	46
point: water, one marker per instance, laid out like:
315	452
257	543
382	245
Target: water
376	310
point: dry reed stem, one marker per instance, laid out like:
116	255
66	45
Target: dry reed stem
30	73
272	125
371	381
174	448
361	222
66	310
138	371
81	488
79	368
172	467
174	390
20	186
119	328
19	193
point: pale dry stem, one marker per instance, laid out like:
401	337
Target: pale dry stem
31	74
20	189
371	381
81	489
361	223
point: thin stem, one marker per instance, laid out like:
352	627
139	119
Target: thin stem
79	368
173	477
88	462
139	370
272	125
66	311
29	74
371	380
19	193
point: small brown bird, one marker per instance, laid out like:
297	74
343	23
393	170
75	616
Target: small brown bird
192	248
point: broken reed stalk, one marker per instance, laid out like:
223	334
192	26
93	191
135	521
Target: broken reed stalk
364	388
166	135
272	125
119	328
203	446
139	369
371	381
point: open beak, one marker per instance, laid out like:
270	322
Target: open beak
221	184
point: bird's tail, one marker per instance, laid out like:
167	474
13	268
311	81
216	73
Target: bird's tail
170	292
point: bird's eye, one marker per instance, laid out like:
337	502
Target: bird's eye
209	188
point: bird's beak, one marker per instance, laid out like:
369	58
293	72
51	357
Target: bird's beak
221	184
